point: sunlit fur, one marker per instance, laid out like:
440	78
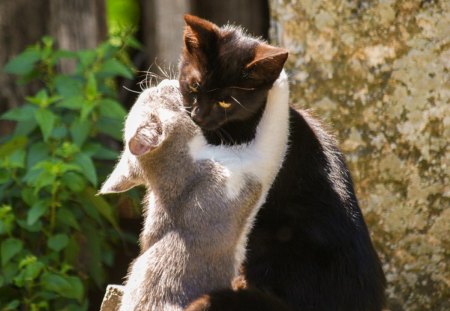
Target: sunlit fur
201	199
309	246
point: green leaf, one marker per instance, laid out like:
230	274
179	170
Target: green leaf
35	176
23	113
64	54
94	246
100	204
104	153
46	120
66	286
12	305
67	150
25	127
87	167
17	143
68	86
112	67
87	108
58	242
45	173
23	63
91	87
36	227
112	109
9	248
42	99
48	41
73	181
132	42
30	269
110	127
73	102
38	209
17	159
87	57
6	219
9	271
65	216
79	130
37	152
5	178
72	251
59	132
28	196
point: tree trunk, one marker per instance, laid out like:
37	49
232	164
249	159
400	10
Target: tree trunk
77	24
162	33
21	24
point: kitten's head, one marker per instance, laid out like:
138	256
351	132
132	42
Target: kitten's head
155	122
156	117
224	74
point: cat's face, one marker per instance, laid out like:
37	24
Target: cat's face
225	75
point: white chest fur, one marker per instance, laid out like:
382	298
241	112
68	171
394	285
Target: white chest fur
262	158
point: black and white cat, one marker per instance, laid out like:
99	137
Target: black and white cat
309	246
201	199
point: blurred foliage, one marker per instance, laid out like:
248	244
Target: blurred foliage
122	14
56	235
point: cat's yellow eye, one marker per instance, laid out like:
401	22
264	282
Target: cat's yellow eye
224	105
194	87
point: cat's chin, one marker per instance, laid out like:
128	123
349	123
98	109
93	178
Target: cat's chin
208	127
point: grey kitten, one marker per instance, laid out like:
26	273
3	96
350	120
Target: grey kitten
201	200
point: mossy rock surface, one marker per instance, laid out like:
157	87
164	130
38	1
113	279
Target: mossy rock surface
377	73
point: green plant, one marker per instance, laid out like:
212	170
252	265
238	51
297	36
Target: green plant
56	235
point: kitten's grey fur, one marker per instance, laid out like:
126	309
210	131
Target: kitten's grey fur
201	201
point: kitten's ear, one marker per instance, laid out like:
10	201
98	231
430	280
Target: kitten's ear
124	176
266	65
146	138
199	33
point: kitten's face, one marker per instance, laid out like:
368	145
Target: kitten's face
225	75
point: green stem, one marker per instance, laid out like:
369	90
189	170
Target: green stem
53	205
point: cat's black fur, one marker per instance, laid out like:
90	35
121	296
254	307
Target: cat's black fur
310	246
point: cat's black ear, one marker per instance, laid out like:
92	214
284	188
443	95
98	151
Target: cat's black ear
199	33
267	63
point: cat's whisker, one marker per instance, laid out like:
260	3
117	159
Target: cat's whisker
243	107
222	139
130	90
228	135
242	88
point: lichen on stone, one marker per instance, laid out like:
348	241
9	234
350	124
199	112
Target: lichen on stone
378	73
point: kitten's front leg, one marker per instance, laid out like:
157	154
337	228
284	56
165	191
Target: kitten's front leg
135	296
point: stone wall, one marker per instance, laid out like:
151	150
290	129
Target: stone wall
378	73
